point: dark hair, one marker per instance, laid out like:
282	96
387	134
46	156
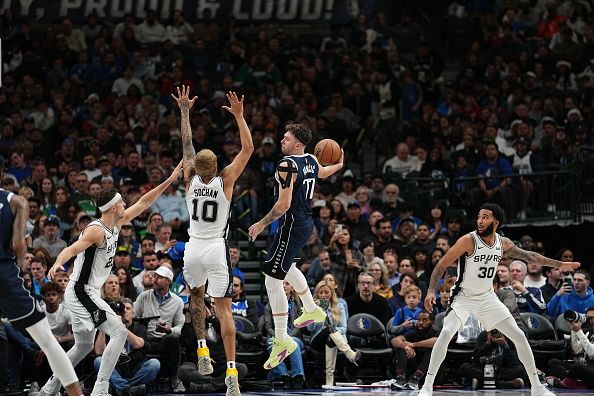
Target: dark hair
366	242
382	220
585	273
431	315
51	287
301	132
496	280
2	165
589	309
106	195
496	210
561	251
243	293
149	253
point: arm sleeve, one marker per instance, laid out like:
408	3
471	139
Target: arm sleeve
553	306
576	347
341	326
535	301
585	344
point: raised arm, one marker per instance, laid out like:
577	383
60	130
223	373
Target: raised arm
147	199
185	104
327	171
232	171
20	208
532	257
92	235
286	173
464	245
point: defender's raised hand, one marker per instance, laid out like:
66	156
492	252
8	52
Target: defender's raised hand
236	107
183	98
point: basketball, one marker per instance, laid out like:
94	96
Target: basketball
328	152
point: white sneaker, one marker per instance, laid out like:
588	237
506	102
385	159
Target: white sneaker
426	391
541	391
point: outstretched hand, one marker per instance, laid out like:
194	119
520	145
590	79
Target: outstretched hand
569	266
176	171
183	98
236	107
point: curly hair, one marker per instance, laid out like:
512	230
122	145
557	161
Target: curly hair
205	163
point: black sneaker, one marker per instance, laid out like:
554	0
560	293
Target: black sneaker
286	382
400	382
194	387
298	382
413	383
136	390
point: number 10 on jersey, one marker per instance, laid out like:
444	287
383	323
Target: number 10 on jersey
209	210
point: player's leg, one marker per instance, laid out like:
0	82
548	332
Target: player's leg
451	324
83	345
117	332
196	279
225	317
22	310
509	328
311	312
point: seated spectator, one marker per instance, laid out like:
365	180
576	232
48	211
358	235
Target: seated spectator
39	270
494	186
127	289
443	302
330	279
367	248
407	279
504	276
150	262
413	351
529	299
534	277
578	298
133	371
294	378
240	305
331	335
61	278
402	163
188	371
380	280
391	263
508	298
110	291
319	266
348	260
50	239
406	318
366	301
58	315
554	279
163	333
235	256
493	348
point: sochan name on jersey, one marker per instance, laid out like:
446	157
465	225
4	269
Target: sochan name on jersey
205	192
487	257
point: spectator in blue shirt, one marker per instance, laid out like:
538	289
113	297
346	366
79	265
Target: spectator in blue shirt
406	318
493	186
577	299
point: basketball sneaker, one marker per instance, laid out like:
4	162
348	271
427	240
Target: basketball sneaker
232	382
306	318
540	391
280	350
204	361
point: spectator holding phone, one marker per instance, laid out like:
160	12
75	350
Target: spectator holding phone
349	261
554	282
575	295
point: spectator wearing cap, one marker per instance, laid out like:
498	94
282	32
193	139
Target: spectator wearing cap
172	206
105	170
347	193
566	82
127	240
50	240
574	121
402	163
122	258
525	162
494	185
356	222
163	332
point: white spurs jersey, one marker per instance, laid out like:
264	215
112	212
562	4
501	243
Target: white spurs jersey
476	271
93	265
209	208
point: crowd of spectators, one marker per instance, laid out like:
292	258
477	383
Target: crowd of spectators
87	106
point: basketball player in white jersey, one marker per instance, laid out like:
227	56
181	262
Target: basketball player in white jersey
208	197
480	251
94	251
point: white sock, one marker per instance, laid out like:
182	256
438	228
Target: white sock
201	343
280	326
231	364
296	278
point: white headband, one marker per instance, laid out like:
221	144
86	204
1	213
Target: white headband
113	201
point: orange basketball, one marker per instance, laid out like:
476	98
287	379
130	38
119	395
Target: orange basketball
327	151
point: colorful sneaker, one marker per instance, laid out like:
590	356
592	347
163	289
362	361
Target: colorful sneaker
280	350
306	318
232	382
204	362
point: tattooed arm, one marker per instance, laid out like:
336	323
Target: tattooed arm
283	203
464	245
185	104
532	257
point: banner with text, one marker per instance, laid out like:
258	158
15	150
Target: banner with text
277	11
